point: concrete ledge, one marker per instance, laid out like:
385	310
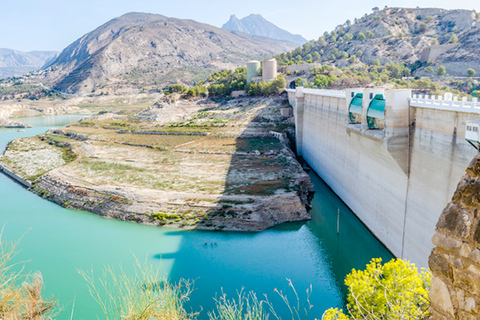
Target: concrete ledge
15	177
377	135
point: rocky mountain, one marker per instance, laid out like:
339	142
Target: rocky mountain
256	25
139	50
16	63
420	38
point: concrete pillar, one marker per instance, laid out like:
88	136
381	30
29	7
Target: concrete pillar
397	126
299	112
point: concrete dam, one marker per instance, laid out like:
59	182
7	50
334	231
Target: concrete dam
394	158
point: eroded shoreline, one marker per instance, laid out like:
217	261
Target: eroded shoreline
209	182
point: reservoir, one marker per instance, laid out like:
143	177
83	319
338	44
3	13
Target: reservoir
58	242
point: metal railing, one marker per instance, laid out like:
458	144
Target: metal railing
447	102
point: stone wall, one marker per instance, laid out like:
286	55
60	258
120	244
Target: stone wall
455	261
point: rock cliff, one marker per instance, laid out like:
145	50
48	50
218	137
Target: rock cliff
455	262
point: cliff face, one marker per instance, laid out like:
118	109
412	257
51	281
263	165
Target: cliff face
455	262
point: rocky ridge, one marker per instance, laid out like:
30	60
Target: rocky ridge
139	50
402	35
16	63
256	25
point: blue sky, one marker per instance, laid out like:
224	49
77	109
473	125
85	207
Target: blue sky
28	25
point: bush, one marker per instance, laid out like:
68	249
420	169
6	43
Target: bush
145	295
360	36
441	70
453	39
20	295
422	27
369	34
376	62
471	72
395	290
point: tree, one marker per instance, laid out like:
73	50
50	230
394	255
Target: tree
471	72
316	56
429	69
369	34
298	82
375	9
279	84
376	62
360	36
359	53
394	290
348	37
352	59
453	39
344	55
441	70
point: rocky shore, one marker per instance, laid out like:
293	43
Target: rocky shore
221	168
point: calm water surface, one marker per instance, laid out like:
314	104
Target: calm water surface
57	242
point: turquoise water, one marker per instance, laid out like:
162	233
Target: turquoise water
57	242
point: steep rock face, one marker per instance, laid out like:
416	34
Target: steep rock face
142	50
15	63
455	262
256	25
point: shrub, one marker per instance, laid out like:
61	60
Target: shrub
471	72
422	27
20	295
360	36
395	290
376	62
453	39
145	295
441	70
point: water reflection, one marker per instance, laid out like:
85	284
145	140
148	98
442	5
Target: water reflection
58	241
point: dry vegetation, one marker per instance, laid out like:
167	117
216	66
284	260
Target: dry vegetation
220	162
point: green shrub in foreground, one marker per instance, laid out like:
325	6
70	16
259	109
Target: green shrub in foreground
394	290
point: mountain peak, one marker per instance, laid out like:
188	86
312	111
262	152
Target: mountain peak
256	25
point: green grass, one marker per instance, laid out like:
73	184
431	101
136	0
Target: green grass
108	166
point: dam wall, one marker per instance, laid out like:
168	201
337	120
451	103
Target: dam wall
396	171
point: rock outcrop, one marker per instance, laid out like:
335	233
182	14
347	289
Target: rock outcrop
455	262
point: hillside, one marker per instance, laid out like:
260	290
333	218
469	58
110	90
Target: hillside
420	38
139	50
16	63
256	25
